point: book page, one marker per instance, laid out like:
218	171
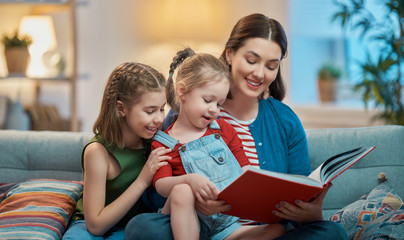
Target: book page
344	163
315	175
336	164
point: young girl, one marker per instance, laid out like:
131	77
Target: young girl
116	162
206	153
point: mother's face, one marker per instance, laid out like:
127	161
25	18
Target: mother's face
254	65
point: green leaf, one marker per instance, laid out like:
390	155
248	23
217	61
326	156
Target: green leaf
383	71
376	93
16	40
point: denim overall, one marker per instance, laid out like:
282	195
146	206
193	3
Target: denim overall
212	158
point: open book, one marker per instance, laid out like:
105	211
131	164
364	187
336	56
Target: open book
255	193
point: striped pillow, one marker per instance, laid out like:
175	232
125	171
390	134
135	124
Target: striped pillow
37	209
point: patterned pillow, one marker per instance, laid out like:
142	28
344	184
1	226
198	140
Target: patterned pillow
37	209
389	226
380	201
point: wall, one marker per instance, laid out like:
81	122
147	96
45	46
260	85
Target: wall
110	32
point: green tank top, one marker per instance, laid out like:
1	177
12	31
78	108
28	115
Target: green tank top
131	162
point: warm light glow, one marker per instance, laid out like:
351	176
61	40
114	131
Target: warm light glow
183	19
42	31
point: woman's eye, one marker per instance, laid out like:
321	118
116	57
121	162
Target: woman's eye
149	112
250	61
272	67
206	100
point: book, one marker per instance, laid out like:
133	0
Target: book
255	193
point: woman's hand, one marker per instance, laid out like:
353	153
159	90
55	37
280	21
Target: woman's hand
210	207
303	212
202	187
156	160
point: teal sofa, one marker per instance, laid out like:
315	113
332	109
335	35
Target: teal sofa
53	156
387	158
367	198
41	154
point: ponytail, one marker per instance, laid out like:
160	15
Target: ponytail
170	86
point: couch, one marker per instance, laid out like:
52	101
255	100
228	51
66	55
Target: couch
39	169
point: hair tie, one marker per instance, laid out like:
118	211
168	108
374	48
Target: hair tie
170	74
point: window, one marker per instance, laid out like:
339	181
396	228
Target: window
315	40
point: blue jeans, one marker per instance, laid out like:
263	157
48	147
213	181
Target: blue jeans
157	226
78	230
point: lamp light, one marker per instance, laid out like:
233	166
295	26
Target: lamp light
42	31
201	20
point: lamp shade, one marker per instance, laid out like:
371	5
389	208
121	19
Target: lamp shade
42	31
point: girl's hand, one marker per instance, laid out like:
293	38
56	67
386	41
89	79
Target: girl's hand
156	160
303	212
202	187
210	207
265	95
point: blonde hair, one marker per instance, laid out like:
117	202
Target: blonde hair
126	83
194	70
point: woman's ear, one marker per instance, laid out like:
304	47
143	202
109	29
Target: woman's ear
121	108
229	55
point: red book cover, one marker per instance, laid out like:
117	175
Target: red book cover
256	192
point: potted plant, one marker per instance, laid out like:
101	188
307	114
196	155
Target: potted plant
382	77
328	76
16	52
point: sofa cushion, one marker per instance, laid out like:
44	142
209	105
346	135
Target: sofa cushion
389	226
37	209
378	202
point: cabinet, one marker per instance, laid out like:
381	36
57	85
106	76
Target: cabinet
11	13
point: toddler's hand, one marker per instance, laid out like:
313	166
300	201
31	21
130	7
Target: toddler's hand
202	187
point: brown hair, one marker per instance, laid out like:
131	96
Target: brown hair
126	83
194	70
258	25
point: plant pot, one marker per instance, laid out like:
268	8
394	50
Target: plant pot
327	90
17	59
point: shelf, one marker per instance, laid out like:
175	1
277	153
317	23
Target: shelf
39	2
57	78
60	9
334	116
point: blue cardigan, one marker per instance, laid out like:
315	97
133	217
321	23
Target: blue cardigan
280	139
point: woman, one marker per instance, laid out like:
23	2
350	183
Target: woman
272	134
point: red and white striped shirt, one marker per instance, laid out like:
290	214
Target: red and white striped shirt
247	141
244	134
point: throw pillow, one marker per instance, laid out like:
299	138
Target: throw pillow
379	201
37	209
389	226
